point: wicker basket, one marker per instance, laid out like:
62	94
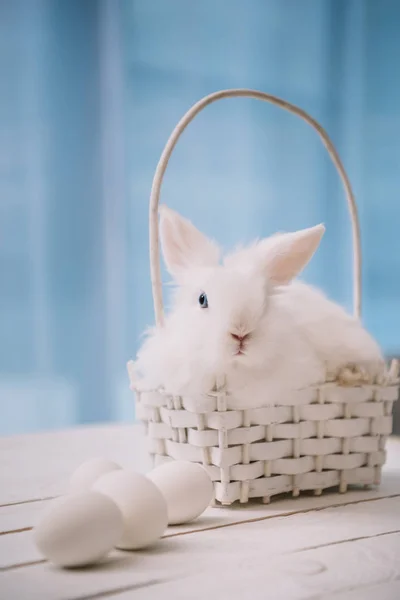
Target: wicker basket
321	437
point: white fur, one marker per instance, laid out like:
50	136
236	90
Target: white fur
297	337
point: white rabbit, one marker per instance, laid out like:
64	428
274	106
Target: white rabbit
246	320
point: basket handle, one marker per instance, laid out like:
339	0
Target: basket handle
155	267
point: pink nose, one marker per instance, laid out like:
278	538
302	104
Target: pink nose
239	338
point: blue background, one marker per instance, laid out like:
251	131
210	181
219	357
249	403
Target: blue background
90	92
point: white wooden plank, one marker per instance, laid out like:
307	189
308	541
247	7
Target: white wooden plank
27	515
21	516
301	556
39	465
311	575
390	590
18	548
17	519
321	527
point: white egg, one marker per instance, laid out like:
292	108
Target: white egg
186	487
89	472
79	529
142	505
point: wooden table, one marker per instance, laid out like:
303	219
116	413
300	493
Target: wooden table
334	546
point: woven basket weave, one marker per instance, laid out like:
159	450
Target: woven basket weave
321	437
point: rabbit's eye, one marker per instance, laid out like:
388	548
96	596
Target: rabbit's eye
203	301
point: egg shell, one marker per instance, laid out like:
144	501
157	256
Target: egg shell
142	505
79	530
89	472
186	487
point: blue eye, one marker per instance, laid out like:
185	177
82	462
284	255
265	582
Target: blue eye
203	301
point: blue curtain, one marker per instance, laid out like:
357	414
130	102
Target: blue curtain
92	91
246	169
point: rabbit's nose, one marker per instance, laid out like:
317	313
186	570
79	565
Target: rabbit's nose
239	338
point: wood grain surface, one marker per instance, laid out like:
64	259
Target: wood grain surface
339	547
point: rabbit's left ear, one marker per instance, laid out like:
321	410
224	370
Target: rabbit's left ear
183	245
286	255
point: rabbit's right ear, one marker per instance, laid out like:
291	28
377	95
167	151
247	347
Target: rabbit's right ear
183	245
286	255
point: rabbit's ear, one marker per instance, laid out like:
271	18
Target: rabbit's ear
183	245
287	254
